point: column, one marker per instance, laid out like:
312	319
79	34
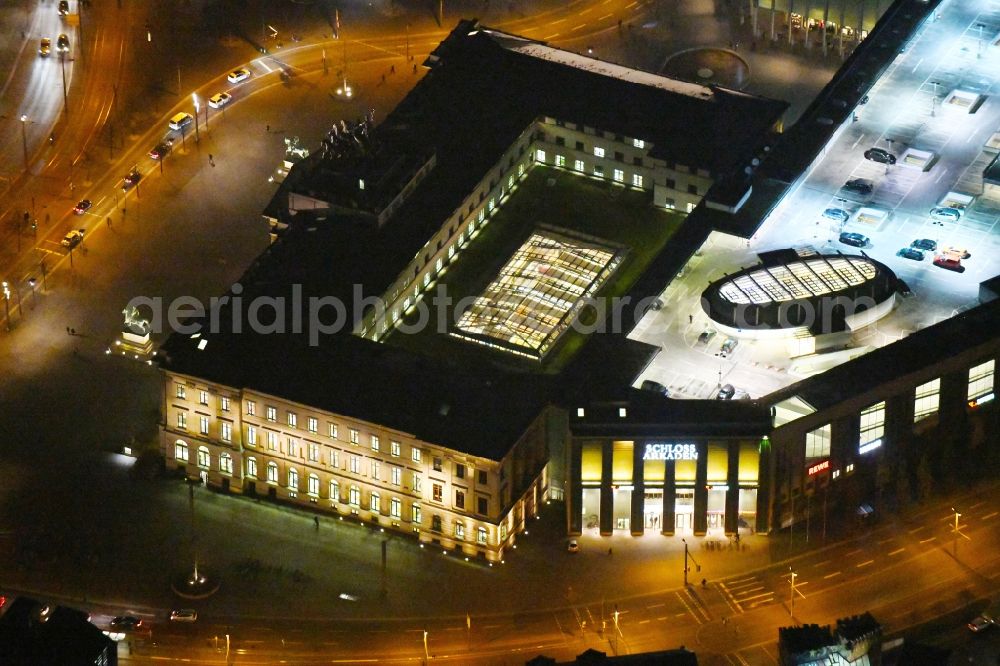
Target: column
574	498
638	519
607	495
669	519
701	491
765	487
733	488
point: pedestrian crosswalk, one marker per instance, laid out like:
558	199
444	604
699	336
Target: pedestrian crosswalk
745	593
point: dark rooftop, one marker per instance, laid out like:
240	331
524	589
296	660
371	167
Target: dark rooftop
63	637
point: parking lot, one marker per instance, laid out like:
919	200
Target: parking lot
935	110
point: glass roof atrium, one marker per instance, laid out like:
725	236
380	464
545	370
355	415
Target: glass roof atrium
797	280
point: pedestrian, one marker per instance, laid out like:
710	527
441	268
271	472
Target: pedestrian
211	159
414	68
72	331
704	583
268	129
109	221
316	520
609	552
690	319
392	69
383	78
67	331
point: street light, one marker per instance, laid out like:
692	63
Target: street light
957	514
791	598
686	556
24	138
197	135
6	302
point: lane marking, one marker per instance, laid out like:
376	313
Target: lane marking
977	504
631	5
582	25
855	145
833	575
917	529
562	20
661	619
896	552
853	552
656	606
990	515
552	36
760	596
604	17
643	621
819	564
885	541
864	564
927	540
914	70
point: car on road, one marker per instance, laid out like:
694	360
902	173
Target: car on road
161	149
924	244
63	7
72	239
911	253
654	386
838	214
981	623
880	155
945	214
729	345
219	100
125	622
62	43
572	546
82	206
859	186
180	121
184	615
949	263
959	252
45	47
855	239
705	336
238	75
726	392
903	289
131	179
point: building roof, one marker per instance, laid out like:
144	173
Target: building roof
63	636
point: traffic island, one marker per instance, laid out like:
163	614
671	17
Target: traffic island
197	584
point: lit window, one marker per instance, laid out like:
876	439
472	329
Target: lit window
361	183
599	171
252	467
293	479
638	143
376	467
395	448
272	414
313	424
622	412
836	473
355	437
251	435
354	496
491	204
314	485
926	400
395	508
636	180
313	452
520	169
415	513
272	440
436	523
293	448
181	451
849	468
331	430
418	483
560	161
415	454
226	463
438	492
224	404
203	425
355	465
981	380
598	151
581	412
182	420
334	458
397	476
251	408
872	424
202	397
293	420
375	443
503	531
460	531
376	503
578	165
818	442
459	499
227	431
481	535
181	392
272	472
619	176
334	491
540	155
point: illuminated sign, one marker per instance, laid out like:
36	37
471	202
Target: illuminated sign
981	400
818	467
670	452
870	446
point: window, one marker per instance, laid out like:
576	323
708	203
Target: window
313	451
355	464
331	430
481	536
692	189
560	160
181	451
460	499
224	404
638	143
252	467
598	151
180	391
460	471
926	400
293	447
981	380
354	496
395	448
313	485
251	408
376	503
226	463
619	176
313	424
272	414
460	531
579	145
203	425
375	443
560	141
334	458
818	442
849	468
503	531
251	435
482	506
397	476
418	483
334	491
637	161
272	472
636	180
438	492
671	183
272	440
293	479
437	465
182	420
872	424
355	437
395	508
415	454
540	155
415	513
599	171
293	420
202	397
578	165
436	523
375	469
227	431
483	477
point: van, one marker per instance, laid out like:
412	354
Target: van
180	121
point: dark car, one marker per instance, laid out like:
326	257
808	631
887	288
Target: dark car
131	179
859	186
160	150
879	155
83	206
911	253
63	7
838	214
125	622
949	263
726	392
924	244
62	43
655	387
705	336
851	238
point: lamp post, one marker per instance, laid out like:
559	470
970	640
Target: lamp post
427	656
957	514
197	134
686	556
6	303
24	138
791	597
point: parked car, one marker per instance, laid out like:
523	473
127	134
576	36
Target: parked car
726	392
981	623
572	546
219	100
949	263
180	120
838	214
655	387
705	336
880	155
238	75
924	244
911	253
82	206
184	615
62	43
45	47
72	239
161	149
125	622
851	238
859	186
130	179
959	252
63	7
729	345
942	214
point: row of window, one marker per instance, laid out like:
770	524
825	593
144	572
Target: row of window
617	175
181	392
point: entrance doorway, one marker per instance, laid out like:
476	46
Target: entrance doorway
684	511
652	511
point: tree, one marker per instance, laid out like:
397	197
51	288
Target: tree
925	479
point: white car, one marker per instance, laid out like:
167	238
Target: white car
73	238
219	100
572	546
183	615
238	75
